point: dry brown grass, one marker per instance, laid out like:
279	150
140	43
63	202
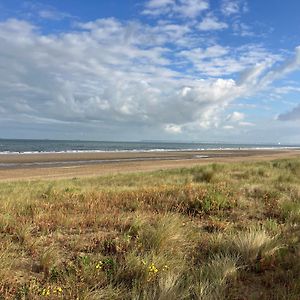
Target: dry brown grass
213	232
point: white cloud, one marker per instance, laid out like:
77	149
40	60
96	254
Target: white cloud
191	8
52	14
246	124
211	23
217	60
231	7
273	74
242	29
183	8
119	75
199	54
35	10
159	3
235	116
172	128
283	90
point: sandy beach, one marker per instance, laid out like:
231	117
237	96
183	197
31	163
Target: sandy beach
69	165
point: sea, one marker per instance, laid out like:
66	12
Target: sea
22	146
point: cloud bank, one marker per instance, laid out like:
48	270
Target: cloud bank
127	74
292	115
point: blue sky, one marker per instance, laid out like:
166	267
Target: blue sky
190	70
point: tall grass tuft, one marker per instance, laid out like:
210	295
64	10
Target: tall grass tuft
290	211
253	245
212	278
203	175
167	235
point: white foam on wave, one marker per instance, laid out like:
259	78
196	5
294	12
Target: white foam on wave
155	150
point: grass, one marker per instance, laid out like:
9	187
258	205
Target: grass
228	231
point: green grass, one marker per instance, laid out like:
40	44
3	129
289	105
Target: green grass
221	231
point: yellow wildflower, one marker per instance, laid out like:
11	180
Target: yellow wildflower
99	265
152	271
57	290
165	267
152	268
46	292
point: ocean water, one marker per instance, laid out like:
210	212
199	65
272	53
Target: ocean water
8	146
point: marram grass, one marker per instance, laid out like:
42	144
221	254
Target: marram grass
226	231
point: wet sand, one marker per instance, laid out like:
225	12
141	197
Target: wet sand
69	165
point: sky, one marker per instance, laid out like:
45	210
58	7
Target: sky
175	70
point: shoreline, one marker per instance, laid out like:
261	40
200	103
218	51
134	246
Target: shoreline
155	150
69	165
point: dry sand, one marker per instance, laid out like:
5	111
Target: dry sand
69	165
